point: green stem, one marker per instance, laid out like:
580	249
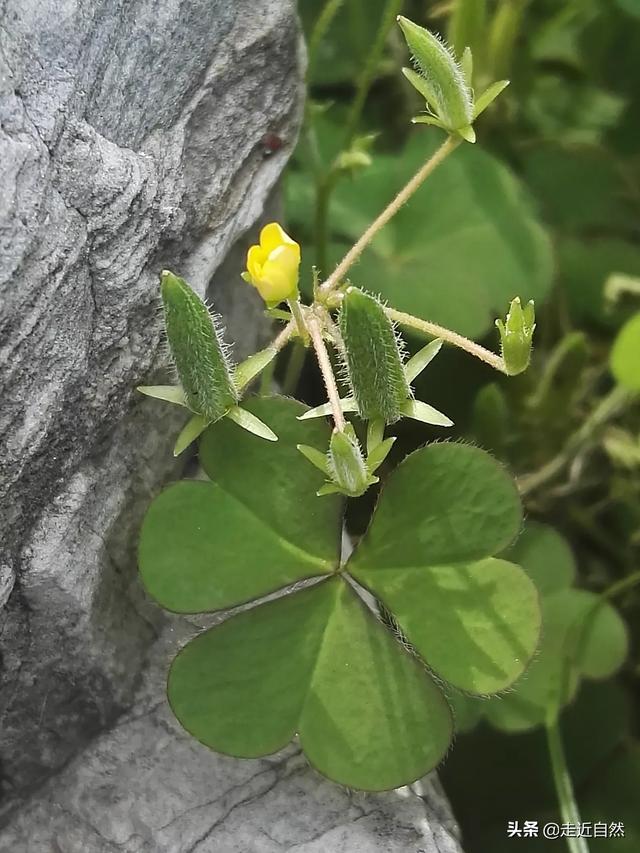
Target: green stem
295	364
324	187
298	316
322	24
563	784
449	145
615	402
391	11
449	336
266	379
621	586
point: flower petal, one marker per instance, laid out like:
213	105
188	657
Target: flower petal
256	257
272	236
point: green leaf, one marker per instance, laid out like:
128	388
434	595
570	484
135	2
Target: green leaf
168	393
251	423
424	88
580	187
319	664
193	428
425	413
417	363
379	454
554	675
316	457
488	97
585	266
248	369
432	121
475	621
582	636
471	207
464	506
606	643
258	527
274	481
625	355
347	405
546	557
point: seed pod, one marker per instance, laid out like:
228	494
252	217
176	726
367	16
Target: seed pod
449	96
197	349
346	464
372	358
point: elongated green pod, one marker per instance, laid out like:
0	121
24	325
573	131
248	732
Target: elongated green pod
372	358
197	350
347	468
449	94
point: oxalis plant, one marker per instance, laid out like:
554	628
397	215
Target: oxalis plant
355	656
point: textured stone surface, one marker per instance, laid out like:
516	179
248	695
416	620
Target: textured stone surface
130	139
146	787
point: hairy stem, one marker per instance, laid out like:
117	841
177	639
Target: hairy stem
449	145
284	336
449	336
280	341
563	784
327	372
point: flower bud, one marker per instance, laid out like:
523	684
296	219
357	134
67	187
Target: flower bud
273	265
197	350
440	79
516	335
372	358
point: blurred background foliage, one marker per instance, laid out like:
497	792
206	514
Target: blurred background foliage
546	206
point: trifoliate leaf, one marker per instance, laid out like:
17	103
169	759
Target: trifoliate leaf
316	663
257	527
474	620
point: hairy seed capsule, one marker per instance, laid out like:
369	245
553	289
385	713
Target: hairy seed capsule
346	464
197	350
372	358
448	93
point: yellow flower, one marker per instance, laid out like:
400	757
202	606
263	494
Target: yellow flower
272	267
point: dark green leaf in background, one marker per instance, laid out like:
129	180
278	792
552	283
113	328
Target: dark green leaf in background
581	637
473	208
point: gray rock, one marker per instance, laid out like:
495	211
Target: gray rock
147	787
130	139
